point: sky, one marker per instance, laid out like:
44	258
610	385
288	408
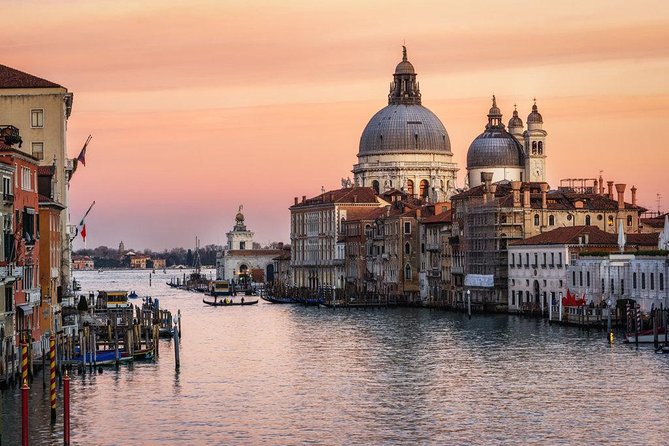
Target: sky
198	107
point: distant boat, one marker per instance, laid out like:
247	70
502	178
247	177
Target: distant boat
277	300
646	336
228	302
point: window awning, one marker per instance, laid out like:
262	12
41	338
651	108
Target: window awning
30	210
26	309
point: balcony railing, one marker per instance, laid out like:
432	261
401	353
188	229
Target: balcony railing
10	135
8	197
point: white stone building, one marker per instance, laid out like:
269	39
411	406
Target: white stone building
542	268
642	278
405	146
240	261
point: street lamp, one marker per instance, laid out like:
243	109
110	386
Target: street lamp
469	303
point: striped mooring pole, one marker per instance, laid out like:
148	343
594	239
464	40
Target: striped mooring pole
24	362
52	376
24	413
66	410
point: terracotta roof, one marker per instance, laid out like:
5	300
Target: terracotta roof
555	199
345	195
13	78
365	214
444	217
570	236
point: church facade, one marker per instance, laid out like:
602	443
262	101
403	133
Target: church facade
242	260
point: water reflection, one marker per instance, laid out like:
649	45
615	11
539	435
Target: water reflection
275	374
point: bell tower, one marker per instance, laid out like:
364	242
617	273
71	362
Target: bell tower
535	147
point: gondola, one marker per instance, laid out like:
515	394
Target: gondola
277	300
227	302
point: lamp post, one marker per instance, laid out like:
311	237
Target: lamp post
560	305
469	304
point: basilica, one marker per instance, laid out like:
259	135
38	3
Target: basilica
406	147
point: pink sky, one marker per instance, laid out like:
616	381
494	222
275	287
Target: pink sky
197	109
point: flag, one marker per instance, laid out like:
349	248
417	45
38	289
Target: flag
82	155
83	232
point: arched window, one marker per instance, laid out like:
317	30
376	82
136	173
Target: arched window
424	188
375	186
629	220
536	219
551	220
541	148
534	147
410	190
610	220
407	272
407	248
587	220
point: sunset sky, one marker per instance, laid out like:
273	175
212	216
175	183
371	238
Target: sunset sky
198	107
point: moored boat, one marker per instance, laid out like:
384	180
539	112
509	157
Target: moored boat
277	300
646	336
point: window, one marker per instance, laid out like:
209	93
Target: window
536	260
536	219
559	260
541	148
661	281
573	278
643	281
242	245
552	259
543	265
527	260
629	220
7	187
424	188
25	179
407	272
29	225
38	150
520	260
622	286
587	279
9	298
652	281
634	280
551	220
580	278
407	248
610	220
410	187
37	118
513	260
407	227
513	298
587	220
375	186
534	147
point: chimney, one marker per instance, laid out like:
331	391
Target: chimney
633	195
418	214
586	238
486	178
526	198
601	185
620	188
304	198
544	189
515	187
609	185
492	188
295	200
355	198
331	197
595	187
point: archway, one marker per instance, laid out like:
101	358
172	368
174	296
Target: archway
410	188
424	188
269	276
375	186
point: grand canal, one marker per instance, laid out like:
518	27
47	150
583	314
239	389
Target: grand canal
278	374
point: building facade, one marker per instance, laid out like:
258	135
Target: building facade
315	225
405	146
41	108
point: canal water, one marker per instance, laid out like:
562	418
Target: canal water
282	374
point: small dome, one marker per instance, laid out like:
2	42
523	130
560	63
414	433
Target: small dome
404	67
515	121
535	117
495	148
494	110
239	216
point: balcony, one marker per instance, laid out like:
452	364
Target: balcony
7	198
432	247
10	135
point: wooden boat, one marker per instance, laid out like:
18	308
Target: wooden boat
310	301
102	357
277	300
646	336
228	302
146	353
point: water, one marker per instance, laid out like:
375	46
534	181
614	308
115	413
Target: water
281	374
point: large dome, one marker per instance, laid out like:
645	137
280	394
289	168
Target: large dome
495	148
400	128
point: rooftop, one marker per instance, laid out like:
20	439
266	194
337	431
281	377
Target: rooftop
13	78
